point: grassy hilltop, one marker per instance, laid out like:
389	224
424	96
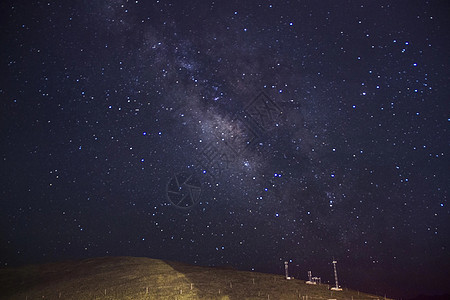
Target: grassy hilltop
145	278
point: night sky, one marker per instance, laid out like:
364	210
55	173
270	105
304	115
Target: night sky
242	133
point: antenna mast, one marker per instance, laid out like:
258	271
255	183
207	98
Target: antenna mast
311	280
336	288
286	266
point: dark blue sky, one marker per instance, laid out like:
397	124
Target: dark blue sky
293	131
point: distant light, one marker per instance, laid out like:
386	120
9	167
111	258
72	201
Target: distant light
144	133
291	24
275	175
204	171
160	133
276	215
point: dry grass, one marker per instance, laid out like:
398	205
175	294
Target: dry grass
143	278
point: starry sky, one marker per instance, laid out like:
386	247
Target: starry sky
242	133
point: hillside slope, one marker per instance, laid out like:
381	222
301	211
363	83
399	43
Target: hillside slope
145	278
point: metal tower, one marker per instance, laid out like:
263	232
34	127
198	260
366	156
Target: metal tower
286	266
336	288
311	280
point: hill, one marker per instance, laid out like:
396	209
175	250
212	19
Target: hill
144	278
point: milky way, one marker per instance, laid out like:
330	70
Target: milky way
310	132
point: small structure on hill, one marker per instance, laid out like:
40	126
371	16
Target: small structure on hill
313	280
317	280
